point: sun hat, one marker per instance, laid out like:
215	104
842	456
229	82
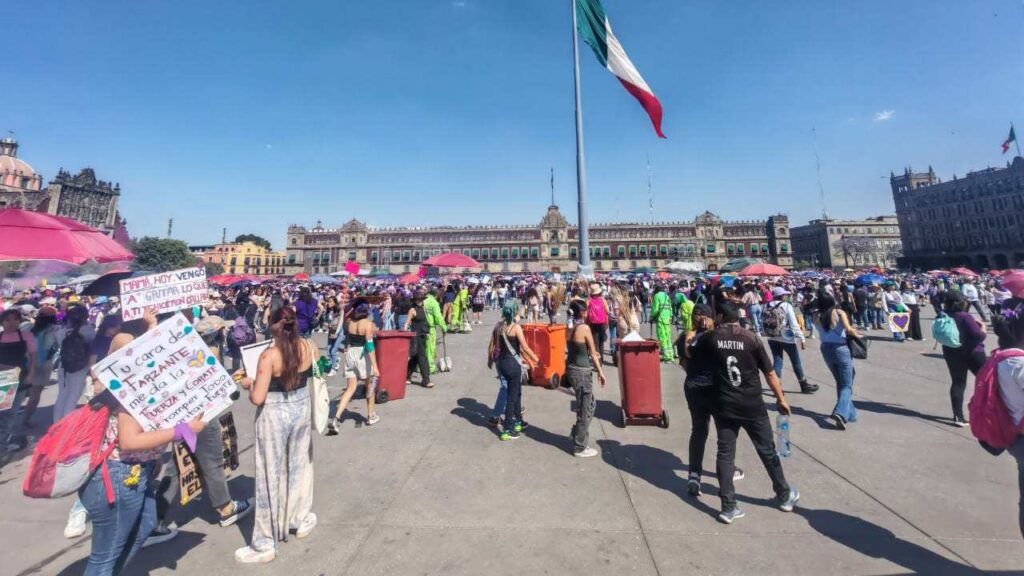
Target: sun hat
780	291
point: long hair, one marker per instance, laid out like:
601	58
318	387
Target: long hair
44	321
825	305
1009	324
289	343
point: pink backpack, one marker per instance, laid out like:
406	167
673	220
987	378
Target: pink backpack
991	422
68	454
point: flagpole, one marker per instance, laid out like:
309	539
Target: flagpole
581	170
1016	142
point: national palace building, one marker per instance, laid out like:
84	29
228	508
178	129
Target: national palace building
550	246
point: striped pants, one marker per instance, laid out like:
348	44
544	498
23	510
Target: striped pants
284	466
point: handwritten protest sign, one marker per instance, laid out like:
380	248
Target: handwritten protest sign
188	473
167	376
163	292
8	387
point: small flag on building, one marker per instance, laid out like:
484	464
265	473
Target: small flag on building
596	31
1011	138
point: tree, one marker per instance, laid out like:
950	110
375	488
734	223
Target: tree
858	247
161	254
257	240
214	269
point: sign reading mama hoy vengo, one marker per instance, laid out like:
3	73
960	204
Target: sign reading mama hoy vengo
167	376
163	292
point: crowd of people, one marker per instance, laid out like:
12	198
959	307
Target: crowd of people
721	322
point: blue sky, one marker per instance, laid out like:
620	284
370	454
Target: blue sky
254	115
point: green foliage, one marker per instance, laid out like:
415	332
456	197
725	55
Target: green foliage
161	254
257	240
214	269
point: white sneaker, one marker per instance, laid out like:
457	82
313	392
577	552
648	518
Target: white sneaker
307	526
77	520
246	555
373	420
586	452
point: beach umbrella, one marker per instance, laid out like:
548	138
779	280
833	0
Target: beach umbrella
452	260
868	279
28	235
410	278
762	269
964	272
301	277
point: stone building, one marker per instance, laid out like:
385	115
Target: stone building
20	185
81	197
242	258
829	243
550	246
975	221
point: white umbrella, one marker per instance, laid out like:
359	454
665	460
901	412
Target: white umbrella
685	267
340	273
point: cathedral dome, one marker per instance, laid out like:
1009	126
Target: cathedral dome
15	172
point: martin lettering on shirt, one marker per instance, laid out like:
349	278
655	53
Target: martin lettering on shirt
730	345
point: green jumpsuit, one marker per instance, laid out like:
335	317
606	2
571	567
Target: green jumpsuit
686	315
435	319
459	307
661	312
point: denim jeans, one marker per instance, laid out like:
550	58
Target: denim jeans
118	529
754	312
809	323
401	321
840	363
499	402
338	343
876	316
613	335
777	348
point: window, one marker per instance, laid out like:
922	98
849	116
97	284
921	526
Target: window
351	256
711	249
653	251
535	252
622	251
572	252
754	248
731	249
632	251
291	258
784	248
524	252
373	257
643	251
554	251
764	248
664	250
739	249
504	253
515	253
494	253
407	255
476	253
606	252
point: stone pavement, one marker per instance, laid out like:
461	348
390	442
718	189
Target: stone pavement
431	490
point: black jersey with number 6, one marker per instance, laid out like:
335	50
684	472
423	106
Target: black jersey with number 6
737	357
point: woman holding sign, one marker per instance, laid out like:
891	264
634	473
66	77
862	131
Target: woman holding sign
284	451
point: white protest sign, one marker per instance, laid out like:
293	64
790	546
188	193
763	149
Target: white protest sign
251	356
167	376
8	387
163	292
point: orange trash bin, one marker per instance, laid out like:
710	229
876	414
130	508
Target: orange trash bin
548	342
392	349
640	383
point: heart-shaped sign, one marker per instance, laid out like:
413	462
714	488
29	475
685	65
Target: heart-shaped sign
188	330
899	321
114	385
150	364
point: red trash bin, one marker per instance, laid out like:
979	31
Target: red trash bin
392	349
548	342
640	383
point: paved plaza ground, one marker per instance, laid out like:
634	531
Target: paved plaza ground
431	490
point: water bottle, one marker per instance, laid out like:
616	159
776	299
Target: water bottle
782	436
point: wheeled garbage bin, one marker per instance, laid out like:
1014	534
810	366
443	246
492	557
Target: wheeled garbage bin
640	383
548	341
392	349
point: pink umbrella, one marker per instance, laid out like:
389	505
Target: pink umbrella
28	235
1014	283
763	270
352	268
452	260
410	278
964	272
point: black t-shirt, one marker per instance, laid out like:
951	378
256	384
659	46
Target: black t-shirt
737	357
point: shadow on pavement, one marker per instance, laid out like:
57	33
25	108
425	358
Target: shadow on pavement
608	411
883	408
162	556
661	468
877	542
820	419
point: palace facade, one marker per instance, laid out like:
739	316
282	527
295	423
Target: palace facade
550	246
829	243
975	221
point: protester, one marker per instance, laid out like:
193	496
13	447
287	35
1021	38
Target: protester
736	355
909	296
46	332
1009	328
75	340
783	331
970	292
583	361
416	321
17	350
835	328
506	349
968	357
661	314
360	364
284	449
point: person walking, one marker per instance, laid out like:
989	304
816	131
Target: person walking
284	449
506	350
416	321
435	319
970	292
597	318
583	361
1009	328
911	301
783	331
736	357
661	315
360	364
17	350
969	357
834	329
75	340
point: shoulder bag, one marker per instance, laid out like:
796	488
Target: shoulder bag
320	398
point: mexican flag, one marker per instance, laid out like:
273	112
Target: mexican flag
1011	138
596	31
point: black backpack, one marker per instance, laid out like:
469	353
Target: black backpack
74	352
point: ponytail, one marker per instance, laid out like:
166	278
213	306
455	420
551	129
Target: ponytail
289	343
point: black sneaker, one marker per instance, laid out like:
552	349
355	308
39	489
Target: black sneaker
839	422
242	509
693	485
808	388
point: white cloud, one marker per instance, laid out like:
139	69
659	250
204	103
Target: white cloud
459	3
884	115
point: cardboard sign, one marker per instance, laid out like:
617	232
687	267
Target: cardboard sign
8	387
230	437
899	321
167	376
251	356
188	473
163	292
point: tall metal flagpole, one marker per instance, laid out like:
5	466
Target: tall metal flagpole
585	269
